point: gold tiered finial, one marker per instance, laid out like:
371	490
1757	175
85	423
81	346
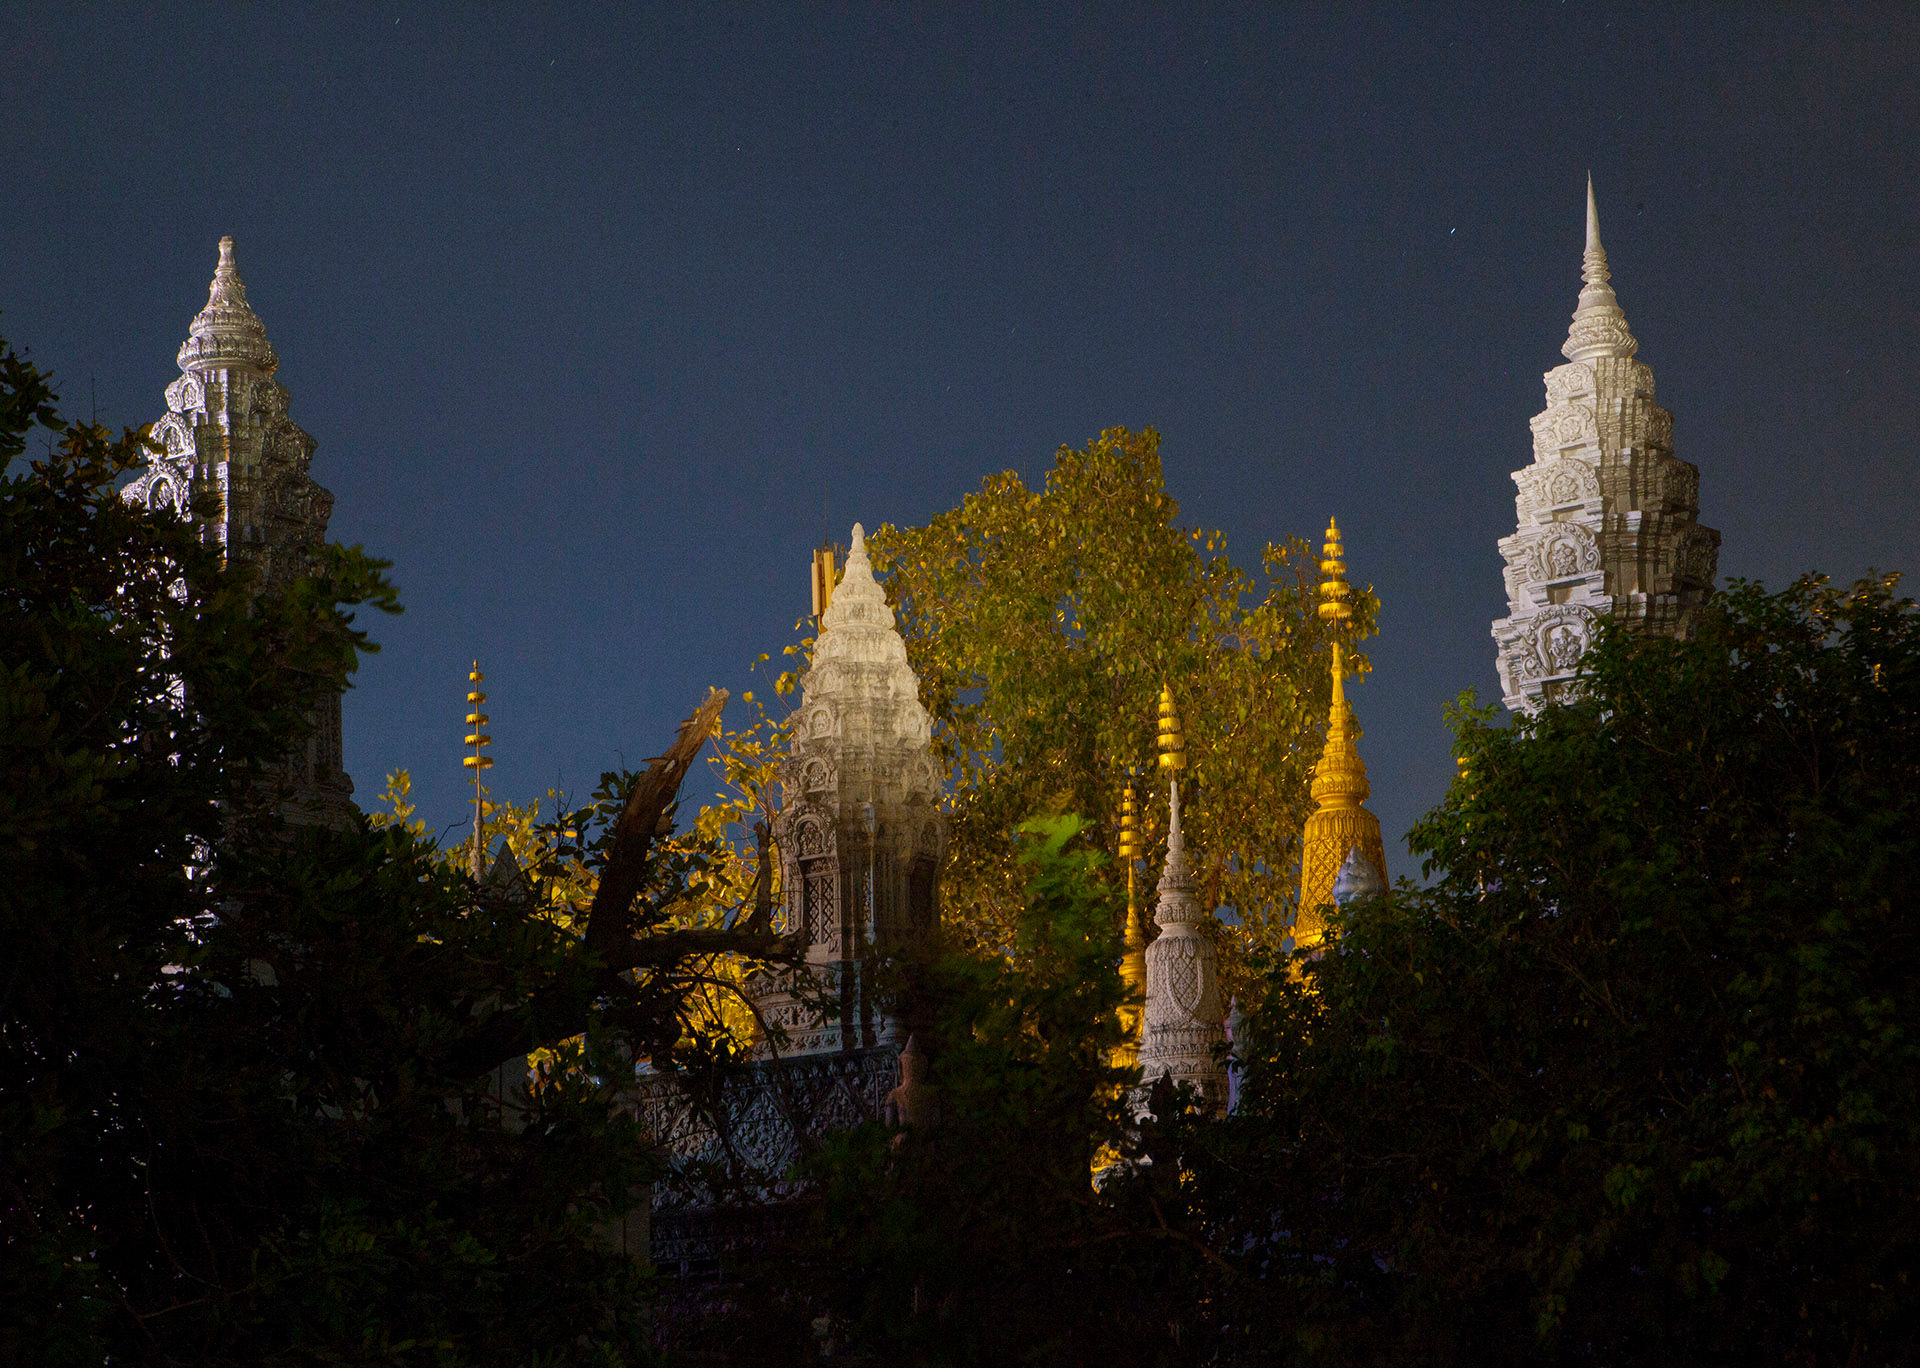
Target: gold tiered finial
1133	958
479	762
1341	822
1336	607
1173	746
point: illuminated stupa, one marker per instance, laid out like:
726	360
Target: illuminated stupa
1185	1018
860	830
227	433
1608	518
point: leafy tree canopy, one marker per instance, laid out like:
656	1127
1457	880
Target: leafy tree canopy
1634	1080
976	1234
1043	623
261	1090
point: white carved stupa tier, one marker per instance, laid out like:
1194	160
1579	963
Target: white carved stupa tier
1607	518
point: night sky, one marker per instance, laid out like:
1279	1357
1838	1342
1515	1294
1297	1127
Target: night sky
603	319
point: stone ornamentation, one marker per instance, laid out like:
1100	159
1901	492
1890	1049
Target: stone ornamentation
1607	519
762	1123
227	433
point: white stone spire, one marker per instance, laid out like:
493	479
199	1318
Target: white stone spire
1185	1020
1599	324
860	831
1607	518
1175	879
227	433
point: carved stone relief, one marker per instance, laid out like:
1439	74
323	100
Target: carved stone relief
1660	429
1697	559
1563	426
1561	635
1562	551
1556	483
1565	382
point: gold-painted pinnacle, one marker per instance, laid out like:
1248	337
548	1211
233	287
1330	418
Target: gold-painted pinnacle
476	738
1173	746
1335	593
1129	826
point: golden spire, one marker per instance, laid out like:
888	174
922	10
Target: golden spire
479	762
1340	822
1133	959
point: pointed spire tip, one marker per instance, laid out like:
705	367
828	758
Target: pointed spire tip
227	332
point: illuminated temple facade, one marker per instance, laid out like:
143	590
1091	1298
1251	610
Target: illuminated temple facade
860	831
860	837
226	433
1608	517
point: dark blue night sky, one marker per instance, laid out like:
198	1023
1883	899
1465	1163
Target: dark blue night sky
604	317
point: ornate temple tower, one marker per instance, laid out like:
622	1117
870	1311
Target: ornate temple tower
227	433
860	830
1608	518
1341	825
1185	1019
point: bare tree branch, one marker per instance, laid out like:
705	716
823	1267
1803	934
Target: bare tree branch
563	1008
610	919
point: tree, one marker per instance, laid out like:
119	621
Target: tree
251	1085
717	862
1043	624
1634	1079
1004	1214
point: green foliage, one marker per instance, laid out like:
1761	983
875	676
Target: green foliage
400	807
1043	623
1634	1080
972	1240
